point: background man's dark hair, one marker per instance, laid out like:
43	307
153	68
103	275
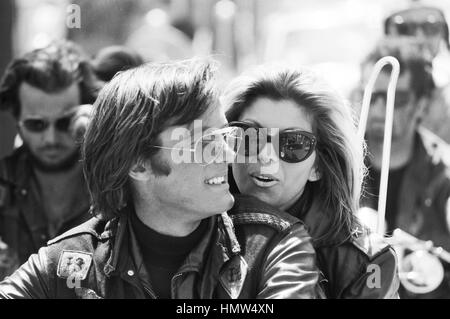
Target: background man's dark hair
130	113
412	59
113	59
50	69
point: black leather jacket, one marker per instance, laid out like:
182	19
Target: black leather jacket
23	221
349	266
423	204
360	266
254	252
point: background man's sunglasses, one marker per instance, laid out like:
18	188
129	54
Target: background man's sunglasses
294	146
37	125
410	28
432	26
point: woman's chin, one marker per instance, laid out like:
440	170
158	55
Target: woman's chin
265	195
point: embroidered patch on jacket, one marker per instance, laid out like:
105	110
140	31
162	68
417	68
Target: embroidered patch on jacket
233	276
74	264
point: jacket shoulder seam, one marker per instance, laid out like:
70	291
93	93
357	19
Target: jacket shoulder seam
83	229
71	235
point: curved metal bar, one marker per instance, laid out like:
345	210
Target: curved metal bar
389	120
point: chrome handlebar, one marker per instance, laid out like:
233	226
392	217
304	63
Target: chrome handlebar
389	120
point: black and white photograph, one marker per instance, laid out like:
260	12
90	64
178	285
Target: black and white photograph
209	150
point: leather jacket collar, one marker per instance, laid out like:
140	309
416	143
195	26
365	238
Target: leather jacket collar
125	250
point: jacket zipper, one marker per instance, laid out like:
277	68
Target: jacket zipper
149	291
173	282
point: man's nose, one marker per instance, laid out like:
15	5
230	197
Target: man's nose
378	107
223	152
420	34
229	152
50	135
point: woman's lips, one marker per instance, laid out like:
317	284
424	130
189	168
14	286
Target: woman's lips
263	180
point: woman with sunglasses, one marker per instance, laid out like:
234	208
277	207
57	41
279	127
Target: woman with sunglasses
309	162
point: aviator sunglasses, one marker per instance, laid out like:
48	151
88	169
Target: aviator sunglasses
294	145
210	147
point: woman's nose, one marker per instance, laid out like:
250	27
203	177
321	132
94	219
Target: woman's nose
267	154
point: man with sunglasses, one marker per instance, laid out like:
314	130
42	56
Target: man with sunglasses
419	184
422	25
166	225
42	188
426	23
422	21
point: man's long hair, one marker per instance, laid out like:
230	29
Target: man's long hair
129	114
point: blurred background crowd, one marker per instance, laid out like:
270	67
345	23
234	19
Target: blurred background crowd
335	38
330	36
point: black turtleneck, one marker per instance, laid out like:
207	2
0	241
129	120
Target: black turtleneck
163	254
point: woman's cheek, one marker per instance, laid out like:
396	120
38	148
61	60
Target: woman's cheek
294	177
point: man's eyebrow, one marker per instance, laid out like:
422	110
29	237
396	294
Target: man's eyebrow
205	128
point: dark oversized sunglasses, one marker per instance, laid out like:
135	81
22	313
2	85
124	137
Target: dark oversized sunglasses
38	125
294	145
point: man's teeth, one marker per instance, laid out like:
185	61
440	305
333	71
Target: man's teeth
216	180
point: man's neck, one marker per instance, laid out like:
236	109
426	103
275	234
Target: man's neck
401	152
164	220
61	192
60	182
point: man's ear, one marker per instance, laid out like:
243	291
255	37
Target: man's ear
140	172
314	174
